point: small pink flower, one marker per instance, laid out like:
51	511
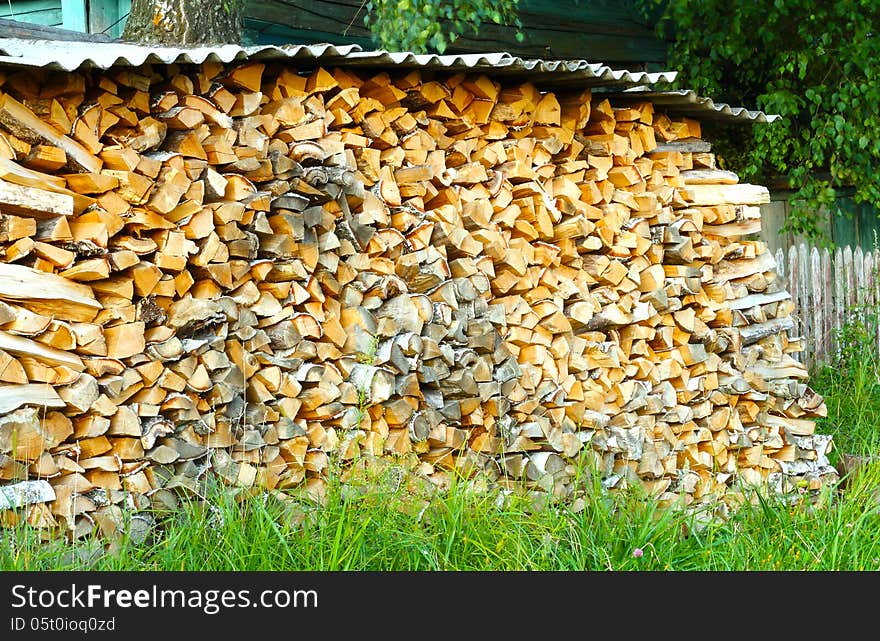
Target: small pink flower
638	553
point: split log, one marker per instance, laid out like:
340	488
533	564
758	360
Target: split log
254	271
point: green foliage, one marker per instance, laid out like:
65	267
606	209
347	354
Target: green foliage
431	25
850	385
815	63
233	7
386	524
854	339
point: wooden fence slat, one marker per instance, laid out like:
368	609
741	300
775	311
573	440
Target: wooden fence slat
828	313
839	300
858	284
849	278
849	284
873	294
806	320
859	278
828	289
818	317
868	284
875	290
795	293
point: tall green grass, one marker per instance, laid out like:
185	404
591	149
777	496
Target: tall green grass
851	387
459	529
385	524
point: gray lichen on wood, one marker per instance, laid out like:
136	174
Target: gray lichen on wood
25	493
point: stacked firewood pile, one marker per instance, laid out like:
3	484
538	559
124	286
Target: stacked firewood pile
261	273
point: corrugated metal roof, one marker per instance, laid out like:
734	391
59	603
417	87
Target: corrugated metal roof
540	72
69	56
558	74
686	102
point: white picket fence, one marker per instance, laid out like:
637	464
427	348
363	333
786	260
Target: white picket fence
827	288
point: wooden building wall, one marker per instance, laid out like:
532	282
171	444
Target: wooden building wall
106	17
41	12
599	30
852	224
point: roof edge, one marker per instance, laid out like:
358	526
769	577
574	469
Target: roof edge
66	55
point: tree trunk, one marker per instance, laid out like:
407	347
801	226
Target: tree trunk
184	22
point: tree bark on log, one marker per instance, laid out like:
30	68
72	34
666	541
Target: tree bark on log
184	22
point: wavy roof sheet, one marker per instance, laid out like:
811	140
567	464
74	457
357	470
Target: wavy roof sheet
69	56
558	74
686	102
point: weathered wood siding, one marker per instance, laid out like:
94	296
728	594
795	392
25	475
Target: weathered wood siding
103	17
40	12
600	30
851	224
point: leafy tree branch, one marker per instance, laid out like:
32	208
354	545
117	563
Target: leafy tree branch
431	25
815	63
